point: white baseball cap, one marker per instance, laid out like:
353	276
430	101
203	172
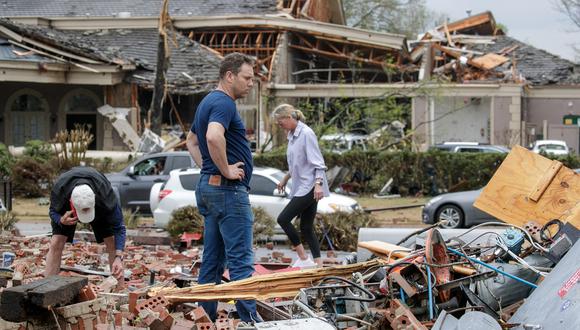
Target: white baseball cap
83	200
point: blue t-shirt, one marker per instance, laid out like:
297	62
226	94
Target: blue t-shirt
220	108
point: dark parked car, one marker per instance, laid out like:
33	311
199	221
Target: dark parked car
134	182
456	208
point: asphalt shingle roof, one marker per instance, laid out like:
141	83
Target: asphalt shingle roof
187	58
537	66
72	8
192	69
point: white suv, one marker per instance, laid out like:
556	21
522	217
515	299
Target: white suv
179	191
555	147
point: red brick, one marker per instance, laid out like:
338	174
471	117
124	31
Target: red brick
205	326
225	324
103	316
152	303
199	315
133	296
87	294
222	314
183	325
118	318
168	321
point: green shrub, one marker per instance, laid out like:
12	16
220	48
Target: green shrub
31	178
38	150
264	224
7	221
185	219
342	229
413	173
6	161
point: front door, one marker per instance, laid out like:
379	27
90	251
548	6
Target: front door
28	125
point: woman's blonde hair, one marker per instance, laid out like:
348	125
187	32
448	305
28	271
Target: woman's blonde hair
287	110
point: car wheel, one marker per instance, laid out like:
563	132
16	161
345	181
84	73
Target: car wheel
453	216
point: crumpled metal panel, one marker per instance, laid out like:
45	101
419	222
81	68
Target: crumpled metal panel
295	324
555	304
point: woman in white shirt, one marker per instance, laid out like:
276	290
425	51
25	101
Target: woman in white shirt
307	169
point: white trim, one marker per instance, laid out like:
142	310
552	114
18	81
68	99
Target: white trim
561	92
60	77
377	90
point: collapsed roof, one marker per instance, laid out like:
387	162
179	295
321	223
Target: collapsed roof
476	50
75	8
193	68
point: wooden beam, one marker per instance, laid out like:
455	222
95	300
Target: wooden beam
343	57
277	285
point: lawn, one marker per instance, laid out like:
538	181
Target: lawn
31	209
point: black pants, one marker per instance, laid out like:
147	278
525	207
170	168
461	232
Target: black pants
305	208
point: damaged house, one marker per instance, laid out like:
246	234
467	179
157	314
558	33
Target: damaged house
465	80
492	88
81	56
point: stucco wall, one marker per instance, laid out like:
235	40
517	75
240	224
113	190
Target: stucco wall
54	94
501	118
461	119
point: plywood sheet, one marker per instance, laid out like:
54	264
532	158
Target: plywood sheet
509	194
489	61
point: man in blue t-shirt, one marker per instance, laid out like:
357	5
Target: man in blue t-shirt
217	143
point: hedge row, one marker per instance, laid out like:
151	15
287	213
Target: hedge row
429	173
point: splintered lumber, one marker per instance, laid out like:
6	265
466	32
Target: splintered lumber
277	285
528	186
489	61
385	250
29	301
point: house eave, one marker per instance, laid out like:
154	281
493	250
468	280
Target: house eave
393	41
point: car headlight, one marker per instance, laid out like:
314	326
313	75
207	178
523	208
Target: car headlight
433	200
339	207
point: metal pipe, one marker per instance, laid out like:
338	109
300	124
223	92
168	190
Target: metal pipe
493	268
430	287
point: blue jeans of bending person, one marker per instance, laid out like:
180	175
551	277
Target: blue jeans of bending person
227	235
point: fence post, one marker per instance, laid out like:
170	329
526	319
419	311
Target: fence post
6	192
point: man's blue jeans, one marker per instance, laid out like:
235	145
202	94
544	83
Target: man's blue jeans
227	236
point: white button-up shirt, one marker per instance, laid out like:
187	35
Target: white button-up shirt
305	161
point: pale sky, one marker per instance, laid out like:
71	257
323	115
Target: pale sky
535	22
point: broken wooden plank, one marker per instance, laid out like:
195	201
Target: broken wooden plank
507	195
489	61
277	285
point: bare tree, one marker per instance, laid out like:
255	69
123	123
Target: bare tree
408	17
571	8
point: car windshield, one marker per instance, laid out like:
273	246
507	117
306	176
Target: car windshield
279	176
553	147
